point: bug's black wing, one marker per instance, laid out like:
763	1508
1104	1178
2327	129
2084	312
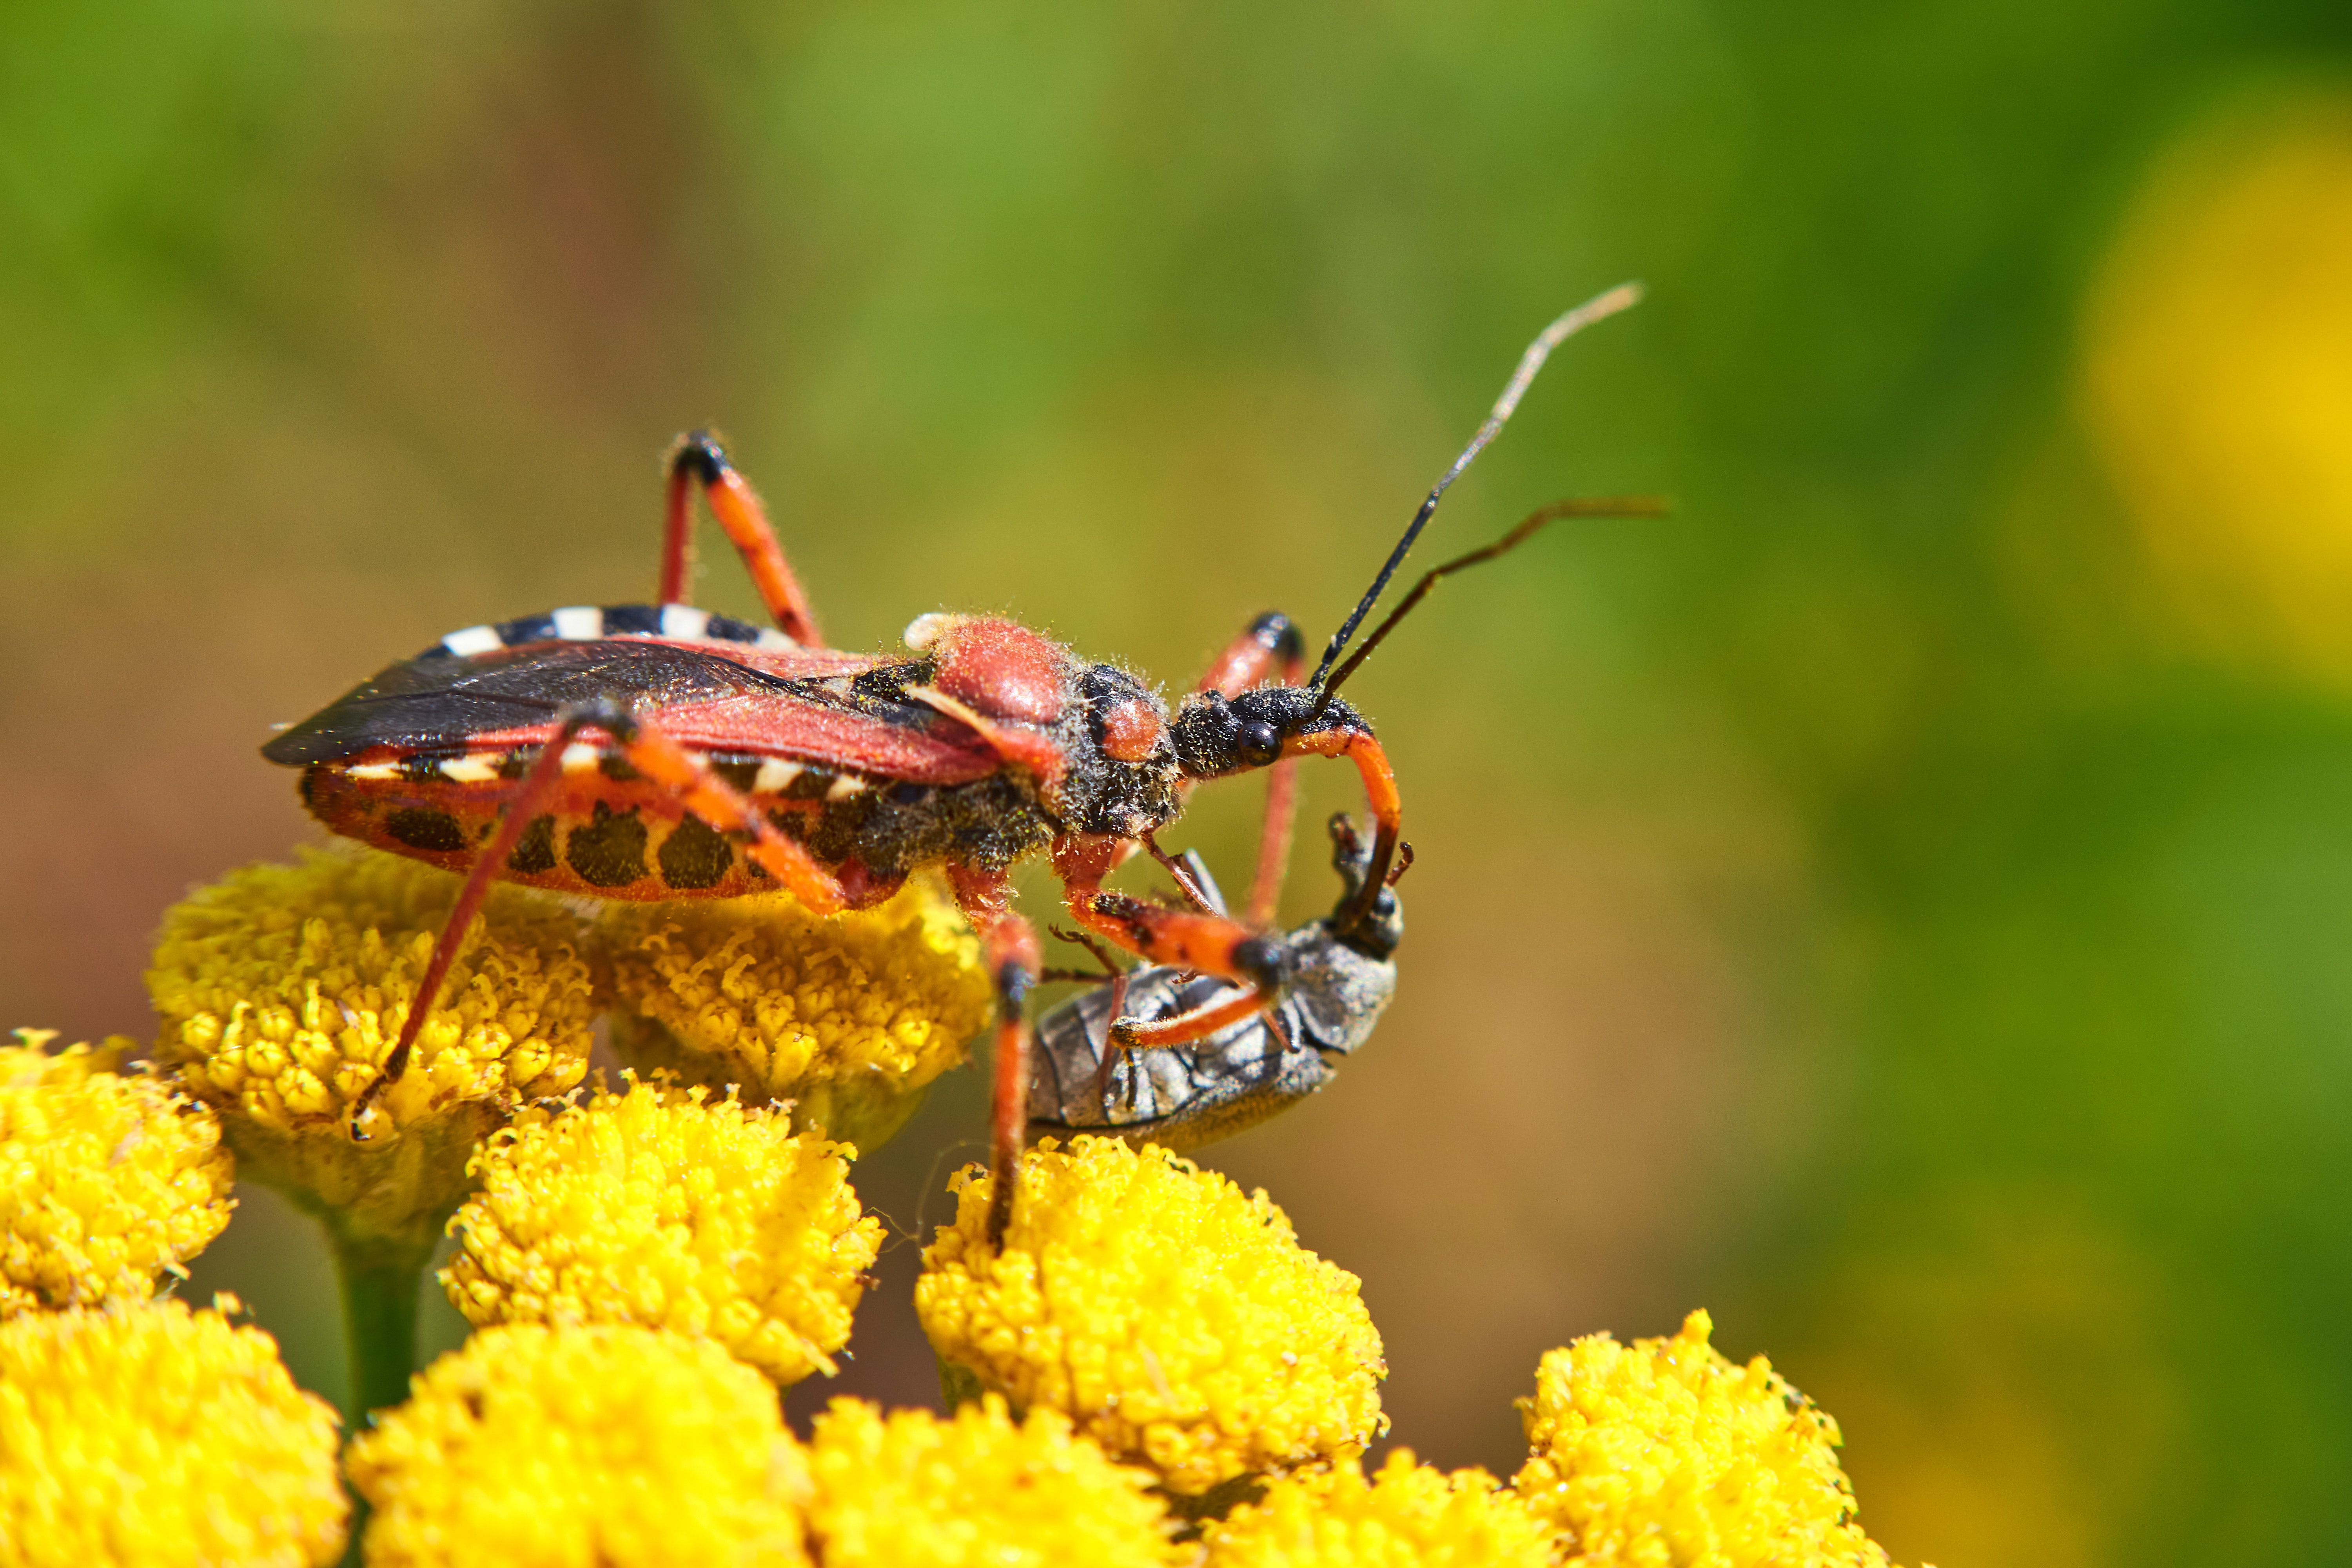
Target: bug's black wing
441	699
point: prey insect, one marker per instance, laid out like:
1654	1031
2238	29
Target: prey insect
1182	1096
659	750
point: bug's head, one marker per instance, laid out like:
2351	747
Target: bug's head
1218	736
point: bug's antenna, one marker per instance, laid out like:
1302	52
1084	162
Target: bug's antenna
1600	506
1599	308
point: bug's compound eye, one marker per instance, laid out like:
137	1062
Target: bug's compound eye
1258	743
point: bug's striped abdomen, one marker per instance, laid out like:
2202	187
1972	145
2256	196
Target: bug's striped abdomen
608	833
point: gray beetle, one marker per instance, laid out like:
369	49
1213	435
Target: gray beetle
1181	1097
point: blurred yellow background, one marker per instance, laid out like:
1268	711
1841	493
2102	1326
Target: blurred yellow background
1899	902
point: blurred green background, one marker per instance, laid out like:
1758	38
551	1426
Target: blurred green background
1900	903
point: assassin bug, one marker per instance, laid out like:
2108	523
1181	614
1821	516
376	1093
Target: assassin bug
658	751
1181	1097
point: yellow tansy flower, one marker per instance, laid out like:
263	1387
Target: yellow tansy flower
152	1434
656	1208
1409	1516
1664	1453
106	1180
850	1016
914	1491
282	988
1173	1317
605	1445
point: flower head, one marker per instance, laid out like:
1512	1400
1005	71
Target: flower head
283	988
851	1017
605	1444
1409	1516
151	1434
1172	1316
1665	1452
912	1489
107	1179
659	1208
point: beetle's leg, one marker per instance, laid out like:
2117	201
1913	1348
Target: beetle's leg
696	458
1270	644
657	757
1111	1036
1010	947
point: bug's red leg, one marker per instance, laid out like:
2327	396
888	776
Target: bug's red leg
1274	842
698	460
1270	643
1213	944
1360	747
1185	1027
658	758
1010	946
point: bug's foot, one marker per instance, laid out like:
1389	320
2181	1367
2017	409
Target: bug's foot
364	1113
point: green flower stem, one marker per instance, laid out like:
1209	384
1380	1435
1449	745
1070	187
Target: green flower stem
381	1276
383	1205
959	1386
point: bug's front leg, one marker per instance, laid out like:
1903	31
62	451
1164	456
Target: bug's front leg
1009	947
657	757
1182	939
696	458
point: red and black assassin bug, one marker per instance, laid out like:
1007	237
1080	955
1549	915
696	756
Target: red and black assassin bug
659	750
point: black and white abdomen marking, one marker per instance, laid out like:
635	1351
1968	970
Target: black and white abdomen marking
1181	1097
591	622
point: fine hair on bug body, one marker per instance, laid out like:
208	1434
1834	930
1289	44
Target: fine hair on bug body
660	750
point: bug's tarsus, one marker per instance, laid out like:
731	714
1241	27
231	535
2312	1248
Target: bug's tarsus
1600	307
699	455
1111	969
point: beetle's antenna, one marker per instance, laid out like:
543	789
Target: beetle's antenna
1596	506
1599	308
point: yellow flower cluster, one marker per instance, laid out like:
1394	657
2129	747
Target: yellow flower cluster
912	1491
850	1016
106	1180
1174	1318
1666	1453
281	990
152	1435
657	1208
1148	1350
1409	1516
606	1445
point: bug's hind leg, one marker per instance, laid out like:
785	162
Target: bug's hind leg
697	459
1010	946
657	757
